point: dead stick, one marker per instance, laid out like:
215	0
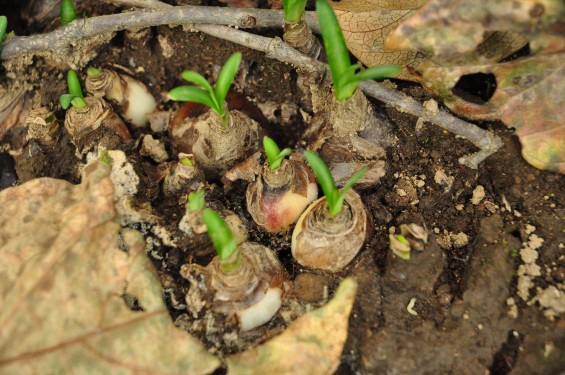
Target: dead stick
62	38
213	18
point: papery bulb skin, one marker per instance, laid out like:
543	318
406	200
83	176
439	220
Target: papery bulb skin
94	125
133	97
330	243
216	148
276	199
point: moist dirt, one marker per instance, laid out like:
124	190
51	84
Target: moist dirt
462	305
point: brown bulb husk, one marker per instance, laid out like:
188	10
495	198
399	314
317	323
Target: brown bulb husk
42	126
132	96
93	125
299	35
245	287
181	177
276	198
216	148
330	244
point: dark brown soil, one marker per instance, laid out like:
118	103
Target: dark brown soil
463	321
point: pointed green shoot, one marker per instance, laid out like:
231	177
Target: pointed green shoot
352	181
186	161
343	74
192	94
274	154
74	84
336	50
66	100
293	9
93	72
68	12
213	98
219	233
196	200
226	77
334	197
198	79
3	27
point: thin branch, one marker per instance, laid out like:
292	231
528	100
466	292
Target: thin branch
62	38
210	20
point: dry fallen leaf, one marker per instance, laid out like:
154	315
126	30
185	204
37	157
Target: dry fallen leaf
310	345
528	93
366	24
63	279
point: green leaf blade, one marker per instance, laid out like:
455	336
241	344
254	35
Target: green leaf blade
192	94
65	100
220	234
343	193
68	12
334	42
3	27
324	177
196	200
226	77
293	9
272	150
378	72
73	84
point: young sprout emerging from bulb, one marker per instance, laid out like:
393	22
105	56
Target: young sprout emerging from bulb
75	97
274	154
68	12
344	76
334	198
3	27
218	138
248	279
282	191
332	230
203	93
90	121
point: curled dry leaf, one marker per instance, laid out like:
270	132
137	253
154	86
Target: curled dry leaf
366	24
310	345
64	283
527	94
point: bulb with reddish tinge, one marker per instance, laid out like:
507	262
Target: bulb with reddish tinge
277	198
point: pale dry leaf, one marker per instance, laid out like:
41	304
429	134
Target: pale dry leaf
366	24
62	284
470	39
530	97
451	28
312	344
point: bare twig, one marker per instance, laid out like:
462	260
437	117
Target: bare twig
486	141
211	20
183	15
145	4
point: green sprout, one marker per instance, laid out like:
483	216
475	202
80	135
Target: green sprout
74	97
195	201
68	12
344	77
93	72
220	235
187	162
104	157
3	27
334	197
205	94
274	154
293	9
